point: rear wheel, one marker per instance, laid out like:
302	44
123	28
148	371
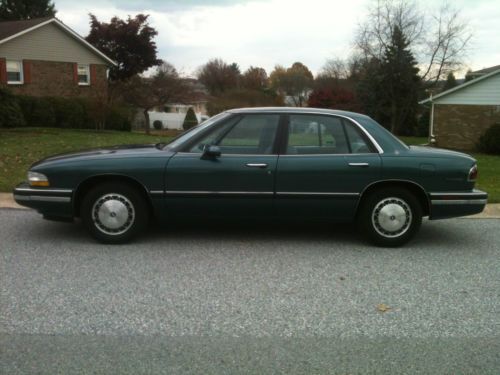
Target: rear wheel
390	217
114	213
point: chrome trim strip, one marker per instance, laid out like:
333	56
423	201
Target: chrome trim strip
467	193
301	193
359	164
203	192
458	201
38	198
30	190
156	192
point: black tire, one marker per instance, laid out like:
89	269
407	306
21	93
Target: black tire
390	217
128	212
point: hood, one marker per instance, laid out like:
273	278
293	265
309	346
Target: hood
144	150
438	152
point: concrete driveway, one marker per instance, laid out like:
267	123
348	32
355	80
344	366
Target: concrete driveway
248	300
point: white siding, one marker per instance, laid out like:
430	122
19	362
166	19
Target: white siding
485	92
49	43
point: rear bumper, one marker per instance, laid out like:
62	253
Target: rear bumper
55	203
455	204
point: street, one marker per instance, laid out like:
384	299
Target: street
233	299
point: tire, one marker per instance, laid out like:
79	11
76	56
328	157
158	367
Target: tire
390	217
114	212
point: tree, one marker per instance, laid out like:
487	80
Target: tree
401	83
190	120
295	82
218	76
439	42
242	98
468	76
129	42
450	82
12	10
165	86
334	98
254	78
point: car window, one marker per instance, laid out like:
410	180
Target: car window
356	141
309	134
248	134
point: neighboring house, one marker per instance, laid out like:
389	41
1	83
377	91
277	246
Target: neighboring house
460	116
44	57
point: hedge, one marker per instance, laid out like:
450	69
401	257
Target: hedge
59	112
489	142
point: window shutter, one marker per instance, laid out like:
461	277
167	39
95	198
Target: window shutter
93	74
75	73
27	71
3	71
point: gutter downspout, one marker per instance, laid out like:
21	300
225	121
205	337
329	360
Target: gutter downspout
432	139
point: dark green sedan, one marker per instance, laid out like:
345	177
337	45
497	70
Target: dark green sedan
260	163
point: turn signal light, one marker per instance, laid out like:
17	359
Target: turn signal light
38	179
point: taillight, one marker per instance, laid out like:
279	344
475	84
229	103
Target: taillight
473	173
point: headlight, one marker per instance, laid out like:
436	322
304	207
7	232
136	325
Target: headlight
37	179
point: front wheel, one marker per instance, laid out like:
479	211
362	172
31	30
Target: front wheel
114	213
390	217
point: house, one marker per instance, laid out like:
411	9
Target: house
460	116
44	57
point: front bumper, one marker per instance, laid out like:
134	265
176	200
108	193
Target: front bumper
52	203
455	204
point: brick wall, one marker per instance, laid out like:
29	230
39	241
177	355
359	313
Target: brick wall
460	126
48	78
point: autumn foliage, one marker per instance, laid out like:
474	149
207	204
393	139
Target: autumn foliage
334	98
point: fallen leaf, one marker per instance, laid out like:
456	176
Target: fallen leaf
382	307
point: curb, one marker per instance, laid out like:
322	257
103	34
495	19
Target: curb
491	211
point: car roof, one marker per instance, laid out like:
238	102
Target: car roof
298	110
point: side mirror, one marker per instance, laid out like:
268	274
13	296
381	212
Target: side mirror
210	152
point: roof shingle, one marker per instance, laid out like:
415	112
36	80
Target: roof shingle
9	28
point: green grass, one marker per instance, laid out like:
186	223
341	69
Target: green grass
489	169
19	148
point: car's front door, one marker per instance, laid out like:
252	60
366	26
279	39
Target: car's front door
238	182
326	163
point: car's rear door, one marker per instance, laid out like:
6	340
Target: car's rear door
240	182
326	162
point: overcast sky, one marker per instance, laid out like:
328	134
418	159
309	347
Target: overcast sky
269	32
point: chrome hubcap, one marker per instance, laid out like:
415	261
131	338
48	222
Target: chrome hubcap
391	217
113	214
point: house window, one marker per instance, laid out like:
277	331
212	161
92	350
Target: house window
83	75
14	72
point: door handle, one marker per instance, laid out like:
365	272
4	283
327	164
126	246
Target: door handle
361	165
256	165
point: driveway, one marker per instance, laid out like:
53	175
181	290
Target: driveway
259	299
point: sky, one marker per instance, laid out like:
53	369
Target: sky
269	32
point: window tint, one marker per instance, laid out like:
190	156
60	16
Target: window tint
14	72
357	143
250	134
316	135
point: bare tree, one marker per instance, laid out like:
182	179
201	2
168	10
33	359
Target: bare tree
335	68
439	42
146	93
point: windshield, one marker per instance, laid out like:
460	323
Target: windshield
177	141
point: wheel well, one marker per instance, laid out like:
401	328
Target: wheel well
91	182
415	189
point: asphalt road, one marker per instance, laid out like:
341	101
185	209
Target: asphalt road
248	299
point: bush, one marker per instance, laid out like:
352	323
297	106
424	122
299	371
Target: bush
69	113
242	98
489	142
41	114
10	112
190	120
157	124
119	118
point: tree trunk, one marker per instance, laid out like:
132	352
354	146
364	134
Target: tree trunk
146	117
394	119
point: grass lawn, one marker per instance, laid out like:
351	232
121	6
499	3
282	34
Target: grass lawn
489	170
19	148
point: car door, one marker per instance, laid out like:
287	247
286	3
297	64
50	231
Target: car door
239	182
325	164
